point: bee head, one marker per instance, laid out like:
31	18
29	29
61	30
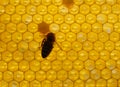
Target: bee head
51	37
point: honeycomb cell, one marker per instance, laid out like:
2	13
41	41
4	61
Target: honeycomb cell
38	37
68	83
24	83
93	55
101	18
22	46
79	83
100	64
84	74
111	2
16	18
89	2
57	83
70	36
5	36
26	18
18	76
13	83
86	27
20	9
76	46
68	3
2	46
98	46
2	9
72	55
2	27
58	18
21	27
57	2
115	55
5	2
81	37
28	55
62	75
80	18
78	65
95	9
11	46
73	75
10	9
95	74
46	83
89	64
32	27
35	83
3	66
54	27
90	83
60	37
74	10
37	18
116	73
83	55
25	2
51	75
112	82
92	37
7	56
117	27
106	9
42	10
91	18
103	36
104	55
106	73
17	37
29	75
14	2
56	65
36	2
3	83
38	55
46	2
11	27
66	45
48	18
65	28
101	83
23	65
31	9
40	75
84	9
87	45
5	18
35	65
115	9
67	65
45	65
111	64
114	36
109	45
97	27
8	76
69	19
75	28
63	10
33	46
112	18
28	36
117	45
52	9
78	2
12	66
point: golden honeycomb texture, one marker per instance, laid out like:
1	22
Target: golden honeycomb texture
88	34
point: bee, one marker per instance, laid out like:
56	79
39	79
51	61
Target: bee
47	44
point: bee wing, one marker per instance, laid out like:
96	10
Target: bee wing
59	45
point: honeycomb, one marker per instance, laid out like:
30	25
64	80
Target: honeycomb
88	34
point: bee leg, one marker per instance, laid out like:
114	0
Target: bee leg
59	45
